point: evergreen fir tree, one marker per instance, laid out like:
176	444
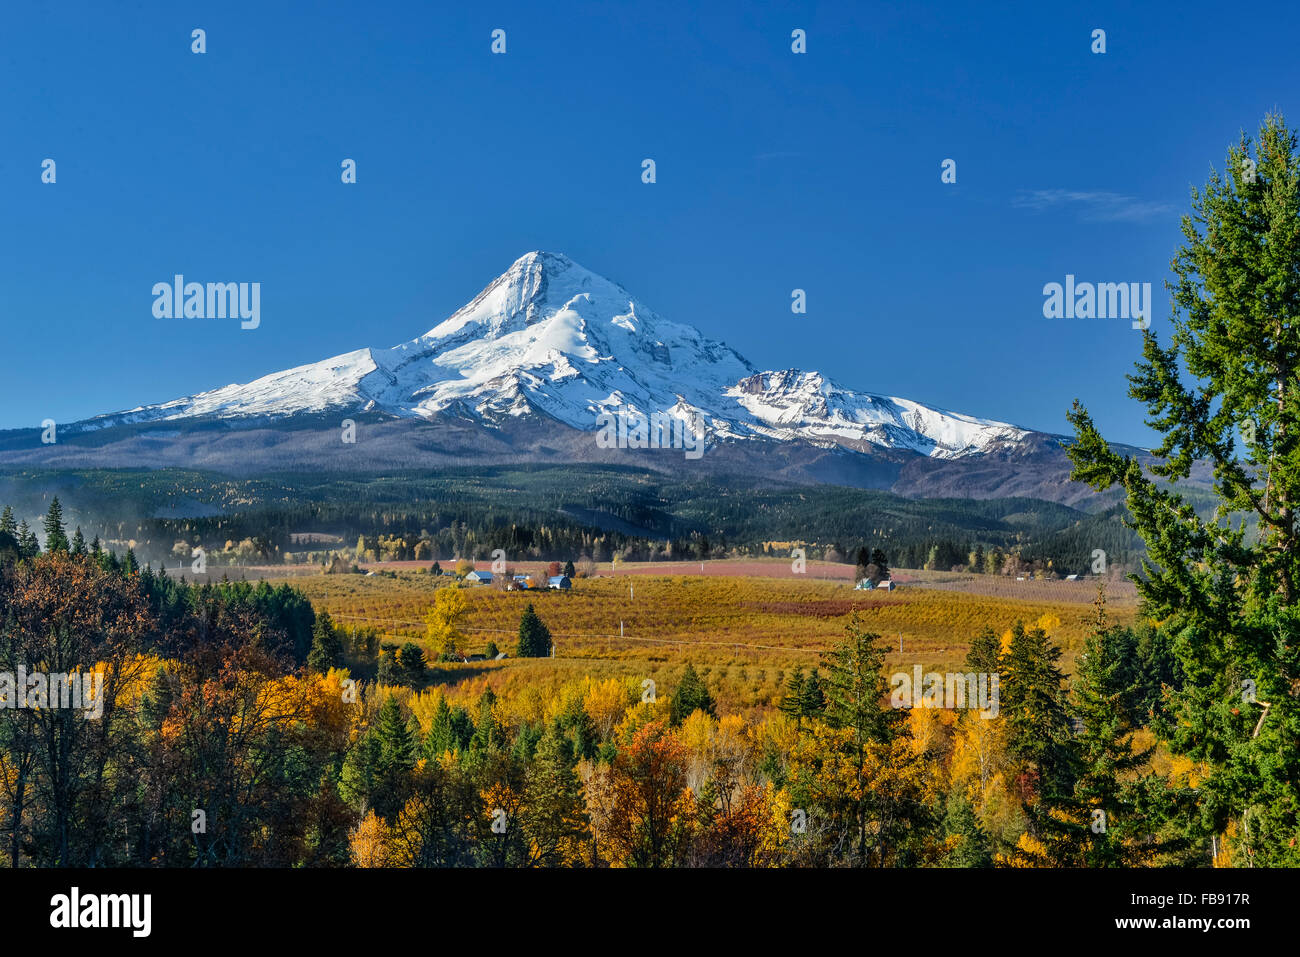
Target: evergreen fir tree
856	686
8	548
973	847
440	737
1227	594
488	733
691	695
812	702
985	653
524	747
1120	836
1033	702
555	817
534	637
865	730
78	542
792	700
414	667
156	701
575	722
56	539
387	663
358	777
394	757
28	544
326	648
462	727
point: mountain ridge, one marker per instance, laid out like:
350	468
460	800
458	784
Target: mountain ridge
550	336
524	373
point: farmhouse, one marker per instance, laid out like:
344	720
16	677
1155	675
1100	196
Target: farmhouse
887	584
479	578
559	581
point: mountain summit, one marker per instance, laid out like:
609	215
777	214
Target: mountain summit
550	339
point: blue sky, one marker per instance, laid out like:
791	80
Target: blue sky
775	171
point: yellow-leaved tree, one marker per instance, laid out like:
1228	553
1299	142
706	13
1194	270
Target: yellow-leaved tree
445	620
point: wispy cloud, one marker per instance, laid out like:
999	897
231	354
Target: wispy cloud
1095	206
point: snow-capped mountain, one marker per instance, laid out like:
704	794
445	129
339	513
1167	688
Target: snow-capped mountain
551	339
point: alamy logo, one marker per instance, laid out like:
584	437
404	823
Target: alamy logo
935	690
39	691
75	909
630	429
1104	300
179	299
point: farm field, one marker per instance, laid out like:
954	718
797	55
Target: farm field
1118	589
745	632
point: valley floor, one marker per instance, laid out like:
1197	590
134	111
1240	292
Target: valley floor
746	630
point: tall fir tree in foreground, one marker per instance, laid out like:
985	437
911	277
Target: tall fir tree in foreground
857	770
1225	586
1108	793
856	686
394	754
555	815
1032	701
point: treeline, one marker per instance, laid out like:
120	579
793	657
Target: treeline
193	710
1073	550
545	513
285	615
977	558
1069	552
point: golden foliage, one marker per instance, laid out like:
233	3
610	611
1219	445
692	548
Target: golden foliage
369	842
